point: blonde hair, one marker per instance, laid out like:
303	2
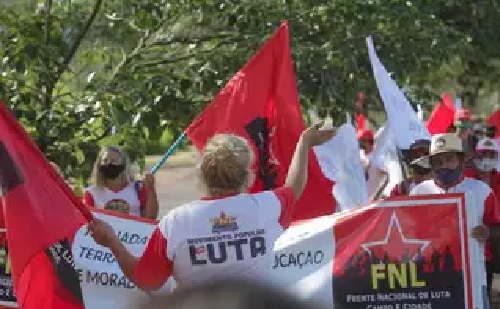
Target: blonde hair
226	163
98	179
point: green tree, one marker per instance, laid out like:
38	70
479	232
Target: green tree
73	70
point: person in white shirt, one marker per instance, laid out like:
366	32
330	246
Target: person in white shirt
114	187
229	234
447	161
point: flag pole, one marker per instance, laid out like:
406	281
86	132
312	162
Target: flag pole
169	152
403	171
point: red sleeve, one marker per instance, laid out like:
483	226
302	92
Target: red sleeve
142	194
88	199
154	267
286	196
491	214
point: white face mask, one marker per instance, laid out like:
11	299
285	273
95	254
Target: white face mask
485	165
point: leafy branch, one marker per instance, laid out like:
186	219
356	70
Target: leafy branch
74	48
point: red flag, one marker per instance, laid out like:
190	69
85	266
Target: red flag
41	214
261	104
494	120
441	118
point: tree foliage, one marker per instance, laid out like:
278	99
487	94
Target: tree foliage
74	70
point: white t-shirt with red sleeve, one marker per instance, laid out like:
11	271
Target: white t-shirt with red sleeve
130	200
482	208
213	239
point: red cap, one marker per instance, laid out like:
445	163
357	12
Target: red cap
366	135
462	113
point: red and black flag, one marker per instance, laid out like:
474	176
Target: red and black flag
261	104
41	216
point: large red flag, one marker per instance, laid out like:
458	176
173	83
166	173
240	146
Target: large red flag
261	104
41	216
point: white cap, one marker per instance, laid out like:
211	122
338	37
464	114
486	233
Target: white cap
487	144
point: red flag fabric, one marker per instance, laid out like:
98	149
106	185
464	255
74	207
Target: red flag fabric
447	99
260	103
494	120
40	211
441	119
360	122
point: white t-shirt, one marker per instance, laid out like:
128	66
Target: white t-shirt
481	208
130	200
212	239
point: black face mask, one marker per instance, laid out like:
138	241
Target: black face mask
420	170
111	171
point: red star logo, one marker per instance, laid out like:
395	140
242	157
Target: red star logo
395	246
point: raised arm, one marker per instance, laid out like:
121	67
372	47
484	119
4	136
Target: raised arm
297	173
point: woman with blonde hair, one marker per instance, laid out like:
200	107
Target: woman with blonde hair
229	233
114	187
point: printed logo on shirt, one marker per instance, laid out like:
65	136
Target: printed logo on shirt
234	247
118	205
223	224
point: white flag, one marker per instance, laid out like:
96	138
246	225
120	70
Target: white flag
420	112
384	158
340	161
404	122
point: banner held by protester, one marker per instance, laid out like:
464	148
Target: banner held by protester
386	255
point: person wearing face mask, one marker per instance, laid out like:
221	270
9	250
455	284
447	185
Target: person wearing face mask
418	149
114	188
485	163
446	159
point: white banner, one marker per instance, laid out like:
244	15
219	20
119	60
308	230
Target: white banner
385	255
404	122
303	260
103	283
